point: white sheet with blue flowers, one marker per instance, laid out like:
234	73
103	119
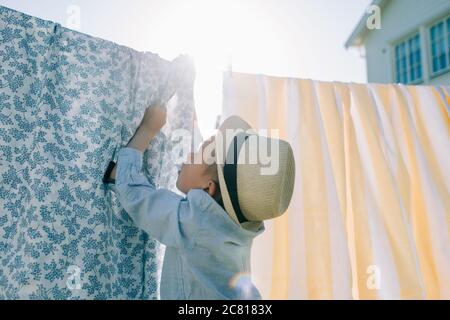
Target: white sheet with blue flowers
68	102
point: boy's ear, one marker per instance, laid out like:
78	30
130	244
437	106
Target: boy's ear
211	189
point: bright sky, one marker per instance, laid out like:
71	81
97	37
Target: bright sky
290	38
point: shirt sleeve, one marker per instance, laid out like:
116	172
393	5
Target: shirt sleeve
161	213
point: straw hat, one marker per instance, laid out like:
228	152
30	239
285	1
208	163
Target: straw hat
251	190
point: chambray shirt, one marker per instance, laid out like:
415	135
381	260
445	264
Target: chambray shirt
207	254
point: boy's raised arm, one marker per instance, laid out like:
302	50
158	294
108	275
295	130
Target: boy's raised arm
156	211
159	212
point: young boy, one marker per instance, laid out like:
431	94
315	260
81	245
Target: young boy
208	234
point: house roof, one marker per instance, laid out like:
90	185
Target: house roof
358	34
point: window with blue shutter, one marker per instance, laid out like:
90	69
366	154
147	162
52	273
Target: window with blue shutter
440	46
408	60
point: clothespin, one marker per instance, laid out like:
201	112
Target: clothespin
230	65
219	117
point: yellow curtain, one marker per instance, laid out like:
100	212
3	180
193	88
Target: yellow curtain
370	215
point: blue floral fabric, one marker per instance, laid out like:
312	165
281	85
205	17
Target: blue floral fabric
68	103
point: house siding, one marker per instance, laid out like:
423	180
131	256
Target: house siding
378	43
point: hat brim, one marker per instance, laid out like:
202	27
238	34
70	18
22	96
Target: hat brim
236	124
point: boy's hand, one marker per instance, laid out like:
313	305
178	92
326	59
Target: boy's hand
154	118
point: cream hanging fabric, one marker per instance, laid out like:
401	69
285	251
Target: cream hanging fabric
370	215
